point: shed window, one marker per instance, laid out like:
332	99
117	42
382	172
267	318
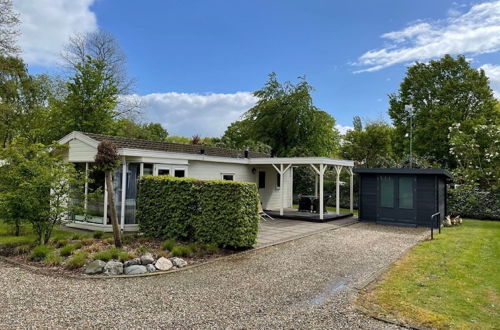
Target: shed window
278	181
262	179
163	171
148	169
227	177
406	192
386	191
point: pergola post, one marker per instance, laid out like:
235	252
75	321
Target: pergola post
321	201
281	172
124	188
105	213
337	192
316	186
351	190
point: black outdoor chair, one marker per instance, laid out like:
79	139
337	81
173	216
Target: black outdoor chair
316	204
304	204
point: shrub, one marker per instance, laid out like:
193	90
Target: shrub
141	249
166	206
124	256
76	237
214	211
109	254
98	234
182	251
77	260
22	249
60	242
78	245
40	252
168	244
53	259
67	250
87	241
469	202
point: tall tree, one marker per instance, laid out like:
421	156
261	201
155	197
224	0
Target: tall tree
102	47
442	92
92	98
370	146
9	31
107	159
148	131
286	119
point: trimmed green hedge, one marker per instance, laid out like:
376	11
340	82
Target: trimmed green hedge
472	203
208	211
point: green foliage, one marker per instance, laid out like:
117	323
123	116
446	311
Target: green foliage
36	186
285	119
53	259
124	256
141	249
67	250
22	249
219	212
92	98
98	234
150	131
477	154
110	254
371	145
78	260
443	92
60	242
40	252
182	251
168	244
468	201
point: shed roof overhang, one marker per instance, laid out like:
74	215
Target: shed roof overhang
301	161
413	171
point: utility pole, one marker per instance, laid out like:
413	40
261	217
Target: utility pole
409	109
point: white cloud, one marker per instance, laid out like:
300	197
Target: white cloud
493	73
343	129
474	32
47	25
188	114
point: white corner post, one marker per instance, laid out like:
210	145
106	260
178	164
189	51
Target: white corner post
338	168
316	185
105	213
124	190
320	173
351	189
281	172
141	169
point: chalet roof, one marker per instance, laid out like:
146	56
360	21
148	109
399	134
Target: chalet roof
123	142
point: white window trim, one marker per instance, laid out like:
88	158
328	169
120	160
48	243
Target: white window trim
222	176
172	168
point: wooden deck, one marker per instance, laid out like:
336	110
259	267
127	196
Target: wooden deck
293	214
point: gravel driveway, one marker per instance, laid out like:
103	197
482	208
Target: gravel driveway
307	283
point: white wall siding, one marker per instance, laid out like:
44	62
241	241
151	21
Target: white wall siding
81	152
212	171
271	195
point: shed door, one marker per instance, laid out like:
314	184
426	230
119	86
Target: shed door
397	199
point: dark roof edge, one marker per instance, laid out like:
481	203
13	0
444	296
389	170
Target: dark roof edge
428	171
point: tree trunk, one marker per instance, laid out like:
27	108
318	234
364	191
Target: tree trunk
112	209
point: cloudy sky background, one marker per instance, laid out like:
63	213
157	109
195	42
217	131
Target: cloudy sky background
197	63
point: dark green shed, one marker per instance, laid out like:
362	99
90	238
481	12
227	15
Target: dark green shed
402	196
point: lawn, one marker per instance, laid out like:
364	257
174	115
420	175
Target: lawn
450	282
332	209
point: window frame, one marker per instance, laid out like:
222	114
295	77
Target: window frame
224	174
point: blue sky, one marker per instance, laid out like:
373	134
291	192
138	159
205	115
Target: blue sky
197	62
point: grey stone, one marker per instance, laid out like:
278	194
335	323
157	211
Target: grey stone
151	268
163	264
131	262
147	259
178	262
95	267
113	268
135	270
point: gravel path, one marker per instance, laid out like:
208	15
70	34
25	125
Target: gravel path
307	283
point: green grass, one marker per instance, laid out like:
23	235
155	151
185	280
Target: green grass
450	282
78	260
8	240
333	209
110	254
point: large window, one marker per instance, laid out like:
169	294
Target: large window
405	192
386	191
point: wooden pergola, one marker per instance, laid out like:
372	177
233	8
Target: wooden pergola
319	165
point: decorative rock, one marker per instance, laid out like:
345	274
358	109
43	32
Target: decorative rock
95	267
135	270
151	268
163	264
113	268
178	262
147	259
131	262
